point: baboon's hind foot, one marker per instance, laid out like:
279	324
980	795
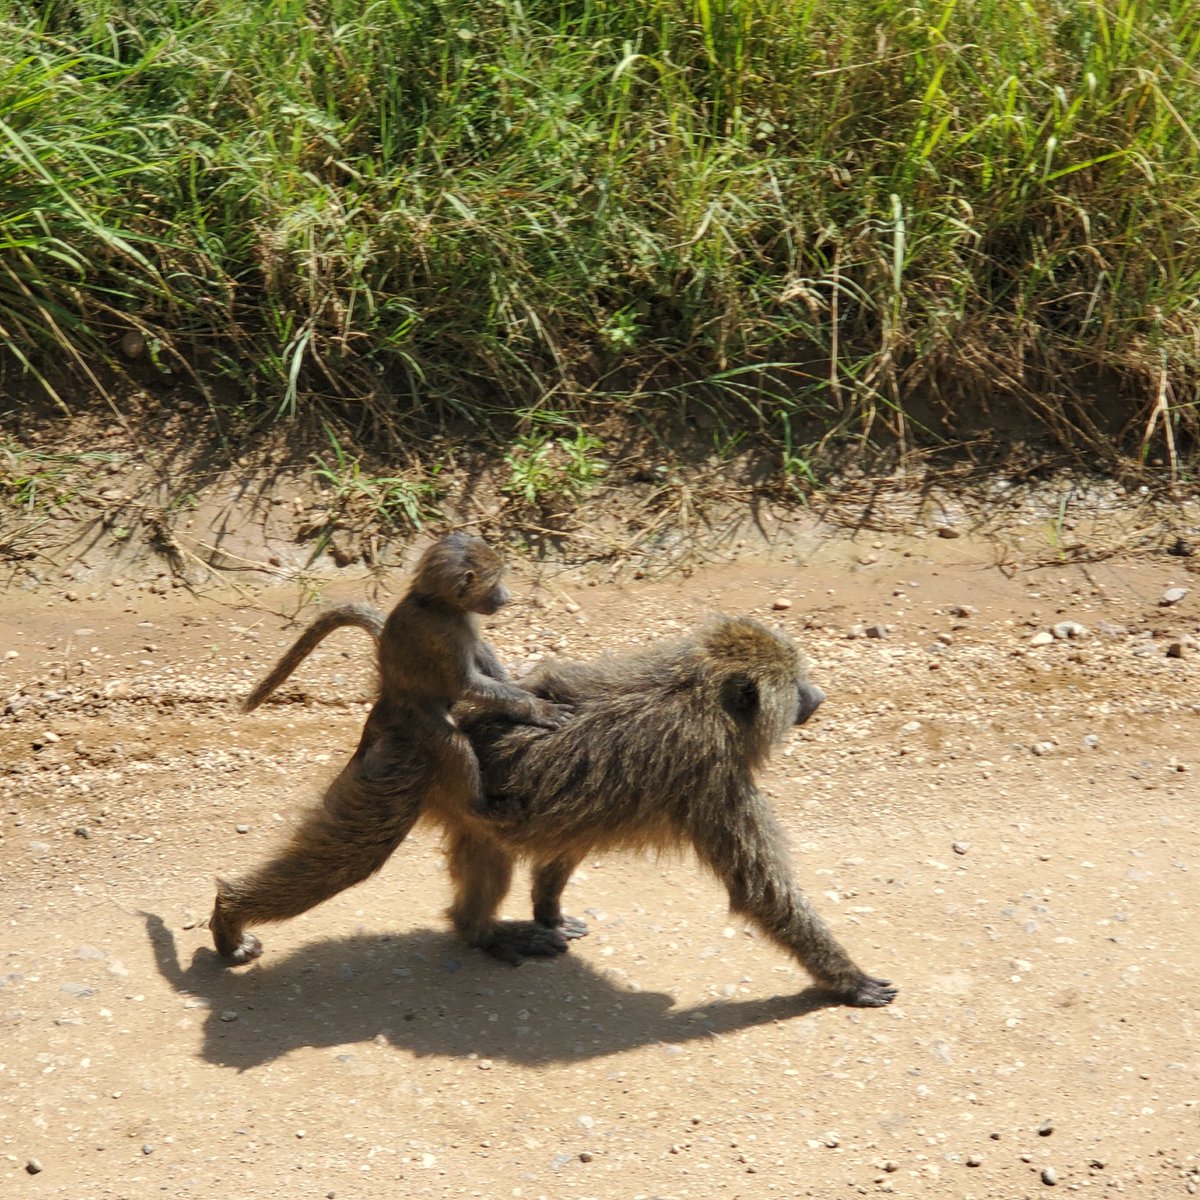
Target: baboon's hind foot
515	941
233	943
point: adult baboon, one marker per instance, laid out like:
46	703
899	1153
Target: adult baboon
430	655
661	752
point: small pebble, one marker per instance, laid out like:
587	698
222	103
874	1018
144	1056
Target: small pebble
1049	1176
961	847
1046	1128
147	1148
1091	741
485	1064
242	828
1044	638
229	1015
1040	748
832	1140
1068	629
585	1156
34	1166
1175	650
963	610
82	831
974	1160
948	531
875	631
781	603
1172	595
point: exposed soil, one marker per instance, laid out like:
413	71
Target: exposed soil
1006	830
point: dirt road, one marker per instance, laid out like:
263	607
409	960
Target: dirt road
1007	830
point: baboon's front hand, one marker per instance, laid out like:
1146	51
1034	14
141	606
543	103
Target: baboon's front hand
868	992
547	715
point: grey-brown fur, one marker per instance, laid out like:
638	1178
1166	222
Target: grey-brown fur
412	755
661	752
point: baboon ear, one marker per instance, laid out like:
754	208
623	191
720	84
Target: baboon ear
740	695
465	580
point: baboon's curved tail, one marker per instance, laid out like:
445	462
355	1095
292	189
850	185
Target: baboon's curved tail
364	616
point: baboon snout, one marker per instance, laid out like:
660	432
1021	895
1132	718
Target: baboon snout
810	700
496	599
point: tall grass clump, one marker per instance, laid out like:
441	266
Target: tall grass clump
862	212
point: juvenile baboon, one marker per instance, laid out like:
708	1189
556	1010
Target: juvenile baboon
430	650
430	655
661	752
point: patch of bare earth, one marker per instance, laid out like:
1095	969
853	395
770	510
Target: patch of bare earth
1007	830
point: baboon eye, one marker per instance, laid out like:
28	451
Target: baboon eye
740	695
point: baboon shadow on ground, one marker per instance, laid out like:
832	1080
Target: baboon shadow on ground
426	992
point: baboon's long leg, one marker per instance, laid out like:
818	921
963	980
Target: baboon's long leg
746	851
549	879
482	872
339	842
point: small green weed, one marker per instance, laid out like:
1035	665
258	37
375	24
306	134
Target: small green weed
394	499
33	479
795	462
545	465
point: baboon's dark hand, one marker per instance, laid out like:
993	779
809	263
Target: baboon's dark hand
551	716
870	993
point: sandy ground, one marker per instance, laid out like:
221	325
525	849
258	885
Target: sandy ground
1006	830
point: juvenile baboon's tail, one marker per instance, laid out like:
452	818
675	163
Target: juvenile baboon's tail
365	616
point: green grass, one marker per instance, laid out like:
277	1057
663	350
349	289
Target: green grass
440	211
405	502
553	461
37	480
